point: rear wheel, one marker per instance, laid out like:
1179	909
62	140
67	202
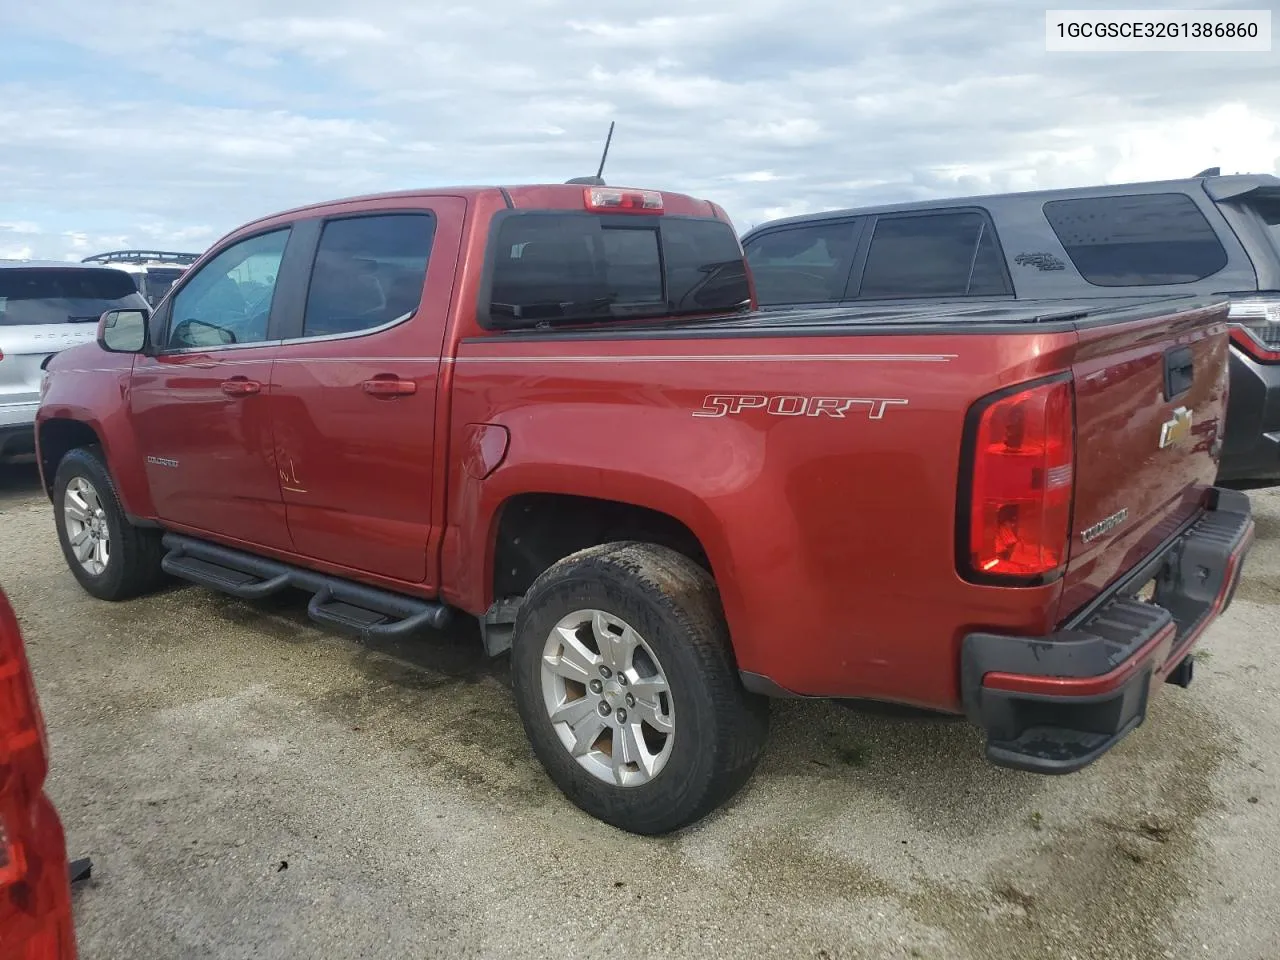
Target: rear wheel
112	559
628	691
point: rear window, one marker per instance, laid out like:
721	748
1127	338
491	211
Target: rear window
1137	241
40	295
934	255
550	267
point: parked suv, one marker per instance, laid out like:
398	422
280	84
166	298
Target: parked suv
153	271
46	306
1210	234
552	408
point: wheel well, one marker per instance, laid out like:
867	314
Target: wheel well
57	439
537	529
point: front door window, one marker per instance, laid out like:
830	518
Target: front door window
229	301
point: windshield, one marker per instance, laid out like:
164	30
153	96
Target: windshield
42	295
567	267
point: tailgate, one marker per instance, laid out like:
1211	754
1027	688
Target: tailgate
1151	396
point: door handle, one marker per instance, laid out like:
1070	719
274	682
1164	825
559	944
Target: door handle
240	387
1179	372
389	387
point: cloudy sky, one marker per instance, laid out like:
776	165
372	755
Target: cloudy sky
168	122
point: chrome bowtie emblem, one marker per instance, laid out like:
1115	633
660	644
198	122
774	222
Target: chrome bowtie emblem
1176	429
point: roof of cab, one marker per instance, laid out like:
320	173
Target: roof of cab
512	193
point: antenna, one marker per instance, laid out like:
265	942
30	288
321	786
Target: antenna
605	156
598	179
1211	172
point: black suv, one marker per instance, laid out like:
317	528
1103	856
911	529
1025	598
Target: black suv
1207	235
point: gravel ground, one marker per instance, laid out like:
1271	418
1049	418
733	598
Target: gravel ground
251	786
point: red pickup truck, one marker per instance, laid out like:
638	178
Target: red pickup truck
554	408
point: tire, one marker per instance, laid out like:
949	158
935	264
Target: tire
133	554
682	646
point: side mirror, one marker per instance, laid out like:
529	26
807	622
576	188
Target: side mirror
123	331
196	333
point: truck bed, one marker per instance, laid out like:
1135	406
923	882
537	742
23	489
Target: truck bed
925	317
854	517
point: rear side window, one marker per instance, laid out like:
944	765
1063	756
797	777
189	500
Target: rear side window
574	267
40	295
807	264
935	255
368	272
1269	211
1138	240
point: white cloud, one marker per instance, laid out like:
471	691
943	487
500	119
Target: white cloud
792	132
753	176
1235	136
651	32
251	58
199	234
302	31
15	253
210	114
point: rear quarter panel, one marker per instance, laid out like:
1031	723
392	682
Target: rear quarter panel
832	538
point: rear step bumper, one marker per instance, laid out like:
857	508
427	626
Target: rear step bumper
351	606
1056	703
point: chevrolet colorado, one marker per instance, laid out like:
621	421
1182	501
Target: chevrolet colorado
554	408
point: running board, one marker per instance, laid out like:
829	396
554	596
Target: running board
363	610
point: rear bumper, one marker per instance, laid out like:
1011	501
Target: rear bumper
1056	703
1251	440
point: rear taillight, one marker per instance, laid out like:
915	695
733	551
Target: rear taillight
22	736
621	200
22	739
1256	328
1015	527
35	900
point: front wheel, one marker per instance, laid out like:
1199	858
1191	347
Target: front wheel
627	688
112	559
